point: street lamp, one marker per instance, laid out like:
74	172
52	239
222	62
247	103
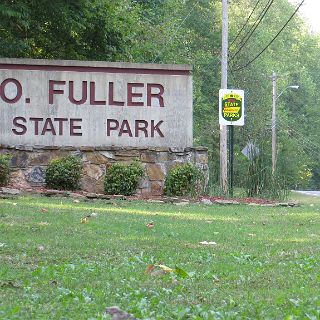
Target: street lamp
274	119
288	87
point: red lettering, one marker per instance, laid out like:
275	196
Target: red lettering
93	100
111	127
156	128
84	93
60	121
157	95
141	128
125	128
141	125
3	93
53	91
36	124
131	95
112	102
48	127
19	125
73	127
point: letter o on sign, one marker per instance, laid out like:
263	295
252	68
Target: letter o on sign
3	92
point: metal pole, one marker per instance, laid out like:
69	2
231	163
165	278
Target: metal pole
230	138
224	85
274	122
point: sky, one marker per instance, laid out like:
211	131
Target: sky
310	10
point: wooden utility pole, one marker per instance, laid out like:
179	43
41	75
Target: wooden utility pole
274	122
224	85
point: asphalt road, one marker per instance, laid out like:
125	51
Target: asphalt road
308	193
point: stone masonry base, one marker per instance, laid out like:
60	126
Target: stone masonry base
28	164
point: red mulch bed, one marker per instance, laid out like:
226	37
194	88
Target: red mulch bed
43	190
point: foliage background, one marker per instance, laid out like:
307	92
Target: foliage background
189	31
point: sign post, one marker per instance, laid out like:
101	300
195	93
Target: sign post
231	113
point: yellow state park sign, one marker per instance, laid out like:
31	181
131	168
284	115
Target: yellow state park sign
231	107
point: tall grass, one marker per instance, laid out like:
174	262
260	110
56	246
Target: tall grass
261	182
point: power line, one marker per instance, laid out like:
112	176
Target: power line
177	29
245	24
307	143
254	27
275	37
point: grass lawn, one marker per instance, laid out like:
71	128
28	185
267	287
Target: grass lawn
265	263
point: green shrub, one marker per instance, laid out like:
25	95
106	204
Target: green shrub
123	178
4	169
64	173
184	180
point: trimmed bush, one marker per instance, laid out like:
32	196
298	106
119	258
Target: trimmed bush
4	169
184	180
123	178
64	173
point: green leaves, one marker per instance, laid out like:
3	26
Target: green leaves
184	180
123	178
64	173
4	169
181	273
78	29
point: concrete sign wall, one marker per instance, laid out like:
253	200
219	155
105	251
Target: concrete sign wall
74	103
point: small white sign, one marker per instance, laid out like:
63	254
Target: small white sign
250	151
231	107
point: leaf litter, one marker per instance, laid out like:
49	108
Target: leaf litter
86	218
161	269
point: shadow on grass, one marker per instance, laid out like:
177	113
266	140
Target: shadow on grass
196	215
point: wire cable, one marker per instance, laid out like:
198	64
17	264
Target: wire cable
254	27
298	135
177	29
245	24
274	38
